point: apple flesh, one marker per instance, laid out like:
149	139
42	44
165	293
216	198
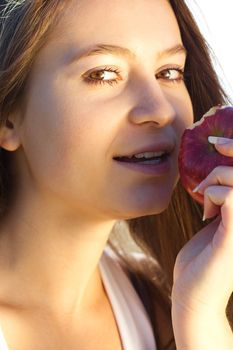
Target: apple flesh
197	157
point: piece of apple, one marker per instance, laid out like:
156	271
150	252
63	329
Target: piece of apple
197	157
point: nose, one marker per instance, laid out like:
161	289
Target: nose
152	106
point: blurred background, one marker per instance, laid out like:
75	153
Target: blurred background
216	23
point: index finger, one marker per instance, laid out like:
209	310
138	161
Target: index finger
223	145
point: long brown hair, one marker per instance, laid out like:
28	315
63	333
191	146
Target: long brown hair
24	29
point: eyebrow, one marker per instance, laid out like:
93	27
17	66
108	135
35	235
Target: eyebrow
103	49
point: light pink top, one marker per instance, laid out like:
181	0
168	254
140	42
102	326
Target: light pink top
131	317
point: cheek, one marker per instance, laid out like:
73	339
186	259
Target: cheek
64	138
184	110
188	109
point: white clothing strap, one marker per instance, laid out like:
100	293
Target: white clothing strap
3	344
131	317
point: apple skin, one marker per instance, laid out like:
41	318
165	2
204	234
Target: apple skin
197	157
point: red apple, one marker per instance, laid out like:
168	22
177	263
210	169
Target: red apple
197	157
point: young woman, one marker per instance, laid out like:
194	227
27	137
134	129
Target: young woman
87	87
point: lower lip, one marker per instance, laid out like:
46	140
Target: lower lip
149	169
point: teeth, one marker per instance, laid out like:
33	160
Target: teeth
149	155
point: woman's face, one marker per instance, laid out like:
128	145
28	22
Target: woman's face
83	110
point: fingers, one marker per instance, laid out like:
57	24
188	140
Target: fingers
221	175
217	189
219	199
222	144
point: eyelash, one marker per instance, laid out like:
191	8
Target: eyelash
111	82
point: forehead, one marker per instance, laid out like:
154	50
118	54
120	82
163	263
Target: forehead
128	23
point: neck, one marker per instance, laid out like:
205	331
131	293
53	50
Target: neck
50	260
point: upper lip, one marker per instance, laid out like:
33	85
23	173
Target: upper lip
162	146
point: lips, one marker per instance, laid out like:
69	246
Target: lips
146	158
155	150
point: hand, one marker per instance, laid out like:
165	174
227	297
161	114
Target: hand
203	273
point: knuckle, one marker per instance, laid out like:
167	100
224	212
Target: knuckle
219	169
208	191
221	174
214	174
229	197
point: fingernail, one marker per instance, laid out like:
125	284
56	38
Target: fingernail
196	188
218	140
204	218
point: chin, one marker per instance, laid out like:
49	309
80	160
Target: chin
140	201
145	209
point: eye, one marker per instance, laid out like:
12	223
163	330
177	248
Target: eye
172	74
107	75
